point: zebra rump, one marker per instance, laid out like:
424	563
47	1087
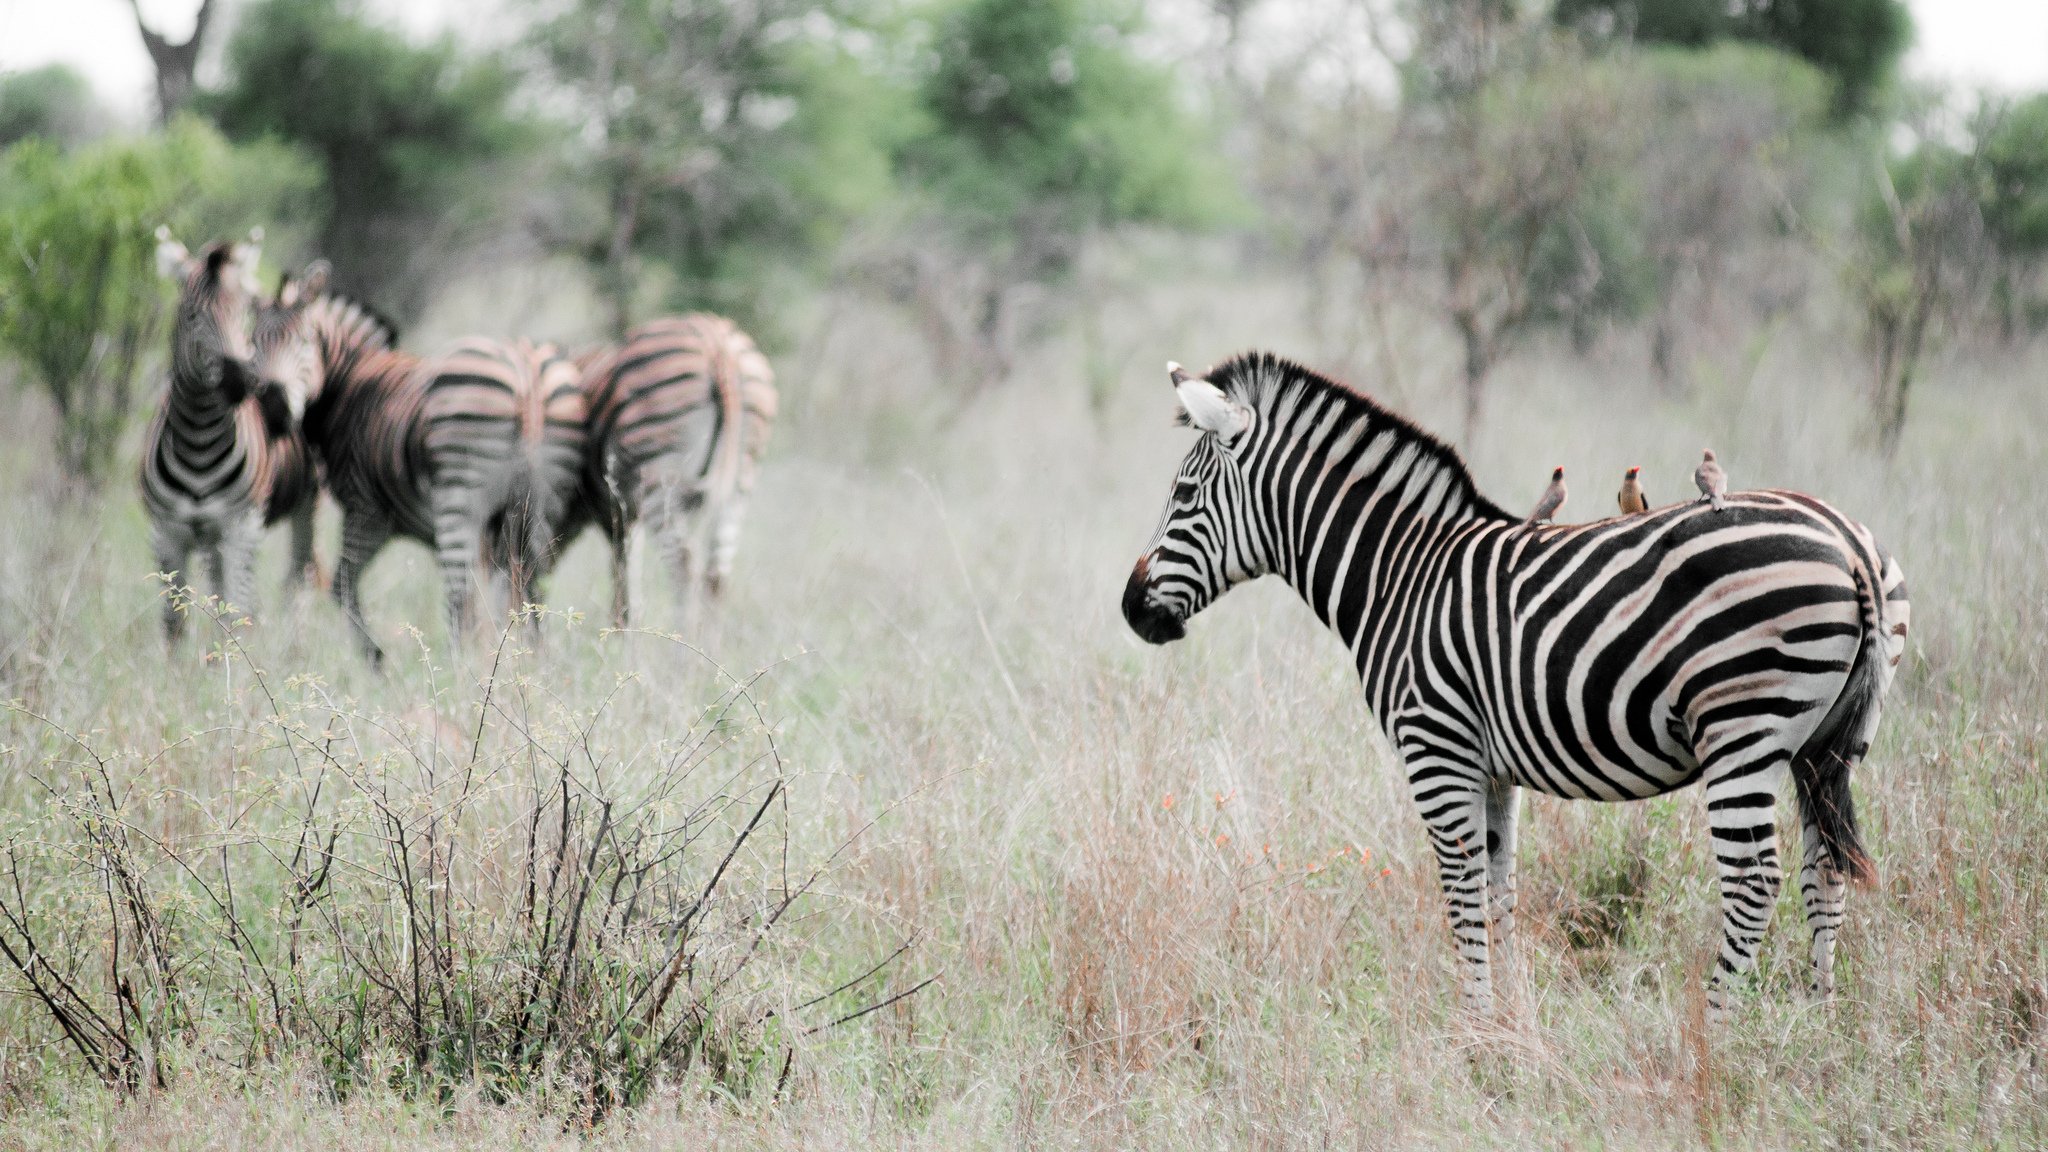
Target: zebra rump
679	416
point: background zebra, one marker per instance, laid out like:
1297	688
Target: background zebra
679	416
475	453
1613	661
218	466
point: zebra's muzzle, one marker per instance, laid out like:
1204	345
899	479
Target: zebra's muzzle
1152	621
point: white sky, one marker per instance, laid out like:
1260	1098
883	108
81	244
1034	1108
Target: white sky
1972	43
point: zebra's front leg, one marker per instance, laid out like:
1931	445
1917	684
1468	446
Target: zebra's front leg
1824	891
1453	800
361	536
237	559
1743	829
172	549
1503	808
304	568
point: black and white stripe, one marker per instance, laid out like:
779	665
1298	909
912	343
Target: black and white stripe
218	464
1615	660
476	453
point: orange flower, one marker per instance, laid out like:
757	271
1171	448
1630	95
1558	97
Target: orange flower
1222	838
1168	802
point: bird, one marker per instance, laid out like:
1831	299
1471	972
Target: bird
1712	481
1631	496
1553	497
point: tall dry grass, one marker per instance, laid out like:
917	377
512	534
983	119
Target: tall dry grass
1172	898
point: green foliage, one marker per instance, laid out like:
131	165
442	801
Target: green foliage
80	300
722	141
53	102
403	135
2015	156
1048	107
1856	42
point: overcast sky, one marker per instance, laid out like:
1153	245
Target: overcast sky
1972	43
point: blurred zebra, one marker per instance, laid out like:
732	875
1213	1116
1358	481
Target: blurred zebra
476	453
222	459
1616	660
679	416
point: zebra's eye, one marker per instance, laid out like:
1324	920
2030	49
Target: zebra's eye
1184	492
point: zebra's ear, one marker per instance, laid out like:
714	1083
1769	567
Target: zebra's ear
1208	408
309	283
171	257
248	256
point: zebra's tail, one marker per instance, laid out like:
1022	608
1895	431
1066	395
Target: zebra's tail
1820	771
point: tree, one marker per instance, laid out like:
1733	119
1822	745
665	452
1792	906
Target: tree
81	305
405	137
1922	244
53	102
1856	42
175	63
722	138
2015	203
1044	125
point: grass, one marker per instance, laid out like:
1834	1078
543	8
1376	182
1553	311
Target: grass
1171	897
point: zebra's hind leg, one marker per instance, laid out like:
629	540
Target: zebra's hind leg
361	536
1742	820
1824	891
304	567
622	596
725	541
1503	807
458	535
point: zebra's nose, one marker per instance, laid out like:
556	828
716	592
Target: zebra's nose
1153	622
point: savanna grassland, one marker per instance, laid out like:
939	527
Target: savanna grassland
1164	897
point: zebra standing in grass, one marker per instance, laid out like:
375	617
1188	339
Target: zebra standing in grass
221	462
679	415
1616	660
476	453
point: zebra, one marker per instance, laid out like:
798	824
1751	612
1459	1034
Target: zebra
222	459
679	416
476	453
1616	660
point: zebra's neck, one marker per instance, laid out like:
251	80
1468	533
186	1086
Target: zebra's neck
1359	503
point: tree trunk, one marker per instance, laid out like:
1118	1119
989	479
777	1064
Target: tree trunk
175	63
1478	364
617	280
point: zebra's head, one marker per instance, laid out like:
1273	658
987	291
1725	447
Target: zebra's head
1208	540
288	364
211	346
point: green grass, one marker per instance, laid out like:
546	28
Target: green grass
1260	962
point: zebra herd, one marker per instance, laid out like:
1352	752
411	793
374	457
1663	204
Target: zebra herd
494	453
1728	644
1734	644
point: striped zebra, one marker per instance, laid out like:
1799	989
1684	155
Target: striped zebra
679	416
476	453
1616	660
220	463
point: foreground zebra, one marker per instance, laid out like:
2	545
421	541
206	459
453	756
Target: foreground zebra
476	453
218	466
1612	661
679	415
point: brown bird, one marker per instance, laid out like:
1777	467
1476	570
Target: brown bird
1553	498
1712	481
1631	496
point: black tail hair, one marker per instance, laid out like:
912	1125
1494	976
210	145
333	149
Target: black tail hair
1821	769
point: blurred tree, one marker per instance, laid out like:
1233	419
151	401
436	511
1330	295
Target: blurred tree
175	63
406	137
1921	248
2015	205
53	102
81	304
1857	42
719	137
1043	124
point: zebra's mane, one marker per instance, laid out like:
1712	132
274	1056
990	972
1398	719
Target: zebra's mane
356	315
1260	380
